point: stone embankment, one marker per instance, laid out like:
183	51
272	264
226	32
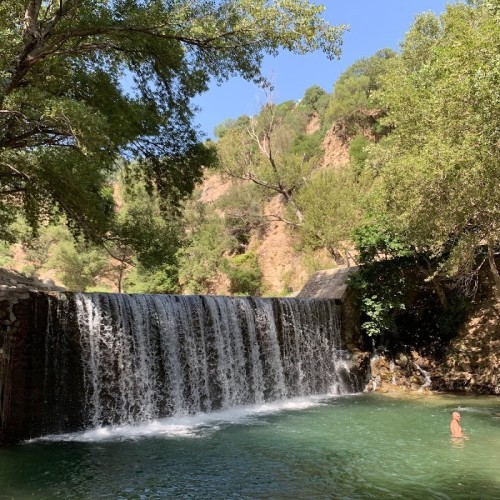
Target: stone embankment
13	281
328	284
470	362
17	374
333	284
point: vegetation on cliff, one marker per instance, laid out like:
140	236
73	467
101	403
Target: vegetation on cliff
435	201
420	190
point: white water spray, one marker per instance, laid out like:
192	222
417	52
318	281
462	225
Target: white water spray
146	357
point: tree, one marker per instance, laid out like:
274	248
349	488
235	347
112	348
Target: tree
268	150
244	274
242	209
331	208
37	250
441	170
84	82
79	265
202	258
351	99
153	234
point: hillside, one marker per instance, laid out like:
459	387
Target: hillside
282	262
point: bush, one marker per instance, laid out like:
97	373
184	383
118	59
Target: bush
163	279
244	274
358	154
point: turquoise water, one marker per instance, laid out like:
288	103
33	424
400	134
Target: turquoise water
361	446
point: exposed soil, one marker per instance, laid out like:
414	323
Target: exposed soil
336	149
472	361
281	265
214	186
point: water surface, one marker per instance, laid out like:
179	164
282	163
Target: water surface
360	446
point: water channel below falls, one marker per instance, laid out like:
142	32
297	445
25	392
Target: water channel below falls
351	446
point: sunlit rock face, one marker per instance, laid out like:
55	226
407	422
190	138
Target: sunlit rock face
73	361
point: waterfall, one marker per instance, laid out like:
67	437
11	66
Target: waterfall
145	357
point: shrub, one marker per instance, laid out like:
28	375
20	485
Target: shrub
244	274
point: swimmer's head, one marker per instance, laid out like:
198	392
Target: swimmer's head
456	415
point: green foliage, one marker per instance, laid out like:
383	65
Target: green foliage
244	274
160	279
66	115
418	45
242	210
154	234
272	151
5	254
79	264
440	171
352	93
358	153
307	146
201	260
383	279
375	240
330	205
315	100
37	247
383	294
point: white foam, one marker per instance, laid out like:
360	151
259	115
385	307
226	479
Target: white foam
191	426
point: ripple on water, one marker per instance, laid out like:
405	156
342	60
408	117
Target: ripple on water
363	446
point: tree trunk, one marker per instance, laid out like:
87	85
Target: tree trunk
440	293
435	285
493	266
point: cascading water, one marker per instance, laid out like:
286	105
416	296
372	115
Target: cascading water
74	361
145	357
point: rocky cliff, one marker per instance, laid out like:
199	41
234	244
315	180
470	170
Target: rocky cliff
468	362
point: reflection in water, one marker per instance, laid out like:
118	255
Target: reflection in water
360	446
458	443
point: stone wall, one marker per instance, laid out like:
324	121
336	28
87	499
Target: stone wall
327	284
31	381
20	405
332	284
12	280
14	325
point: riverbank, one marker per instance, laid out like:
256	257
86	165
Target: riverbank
418	359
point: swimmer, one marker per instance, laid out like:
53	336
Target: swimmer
455	429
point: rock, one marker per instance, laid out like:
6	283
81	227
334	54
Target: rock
402	360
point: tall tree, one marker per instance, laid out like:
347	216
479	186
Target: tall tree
82	82
331	208
441	168
351	100
267	151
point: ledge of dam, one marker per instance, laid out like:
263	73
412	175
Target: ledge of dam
328	284
285	347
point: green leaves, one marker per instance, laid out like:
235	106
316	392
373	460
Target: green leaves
329	202
244	274
83	83
435	209
352	93
441	175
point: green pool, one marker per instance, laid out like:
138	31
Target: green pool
360	446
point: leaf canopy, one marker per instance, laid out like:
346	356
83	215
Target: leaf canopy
84	82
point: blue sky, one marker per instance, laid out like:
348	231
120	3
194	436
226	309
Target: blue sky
374	25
